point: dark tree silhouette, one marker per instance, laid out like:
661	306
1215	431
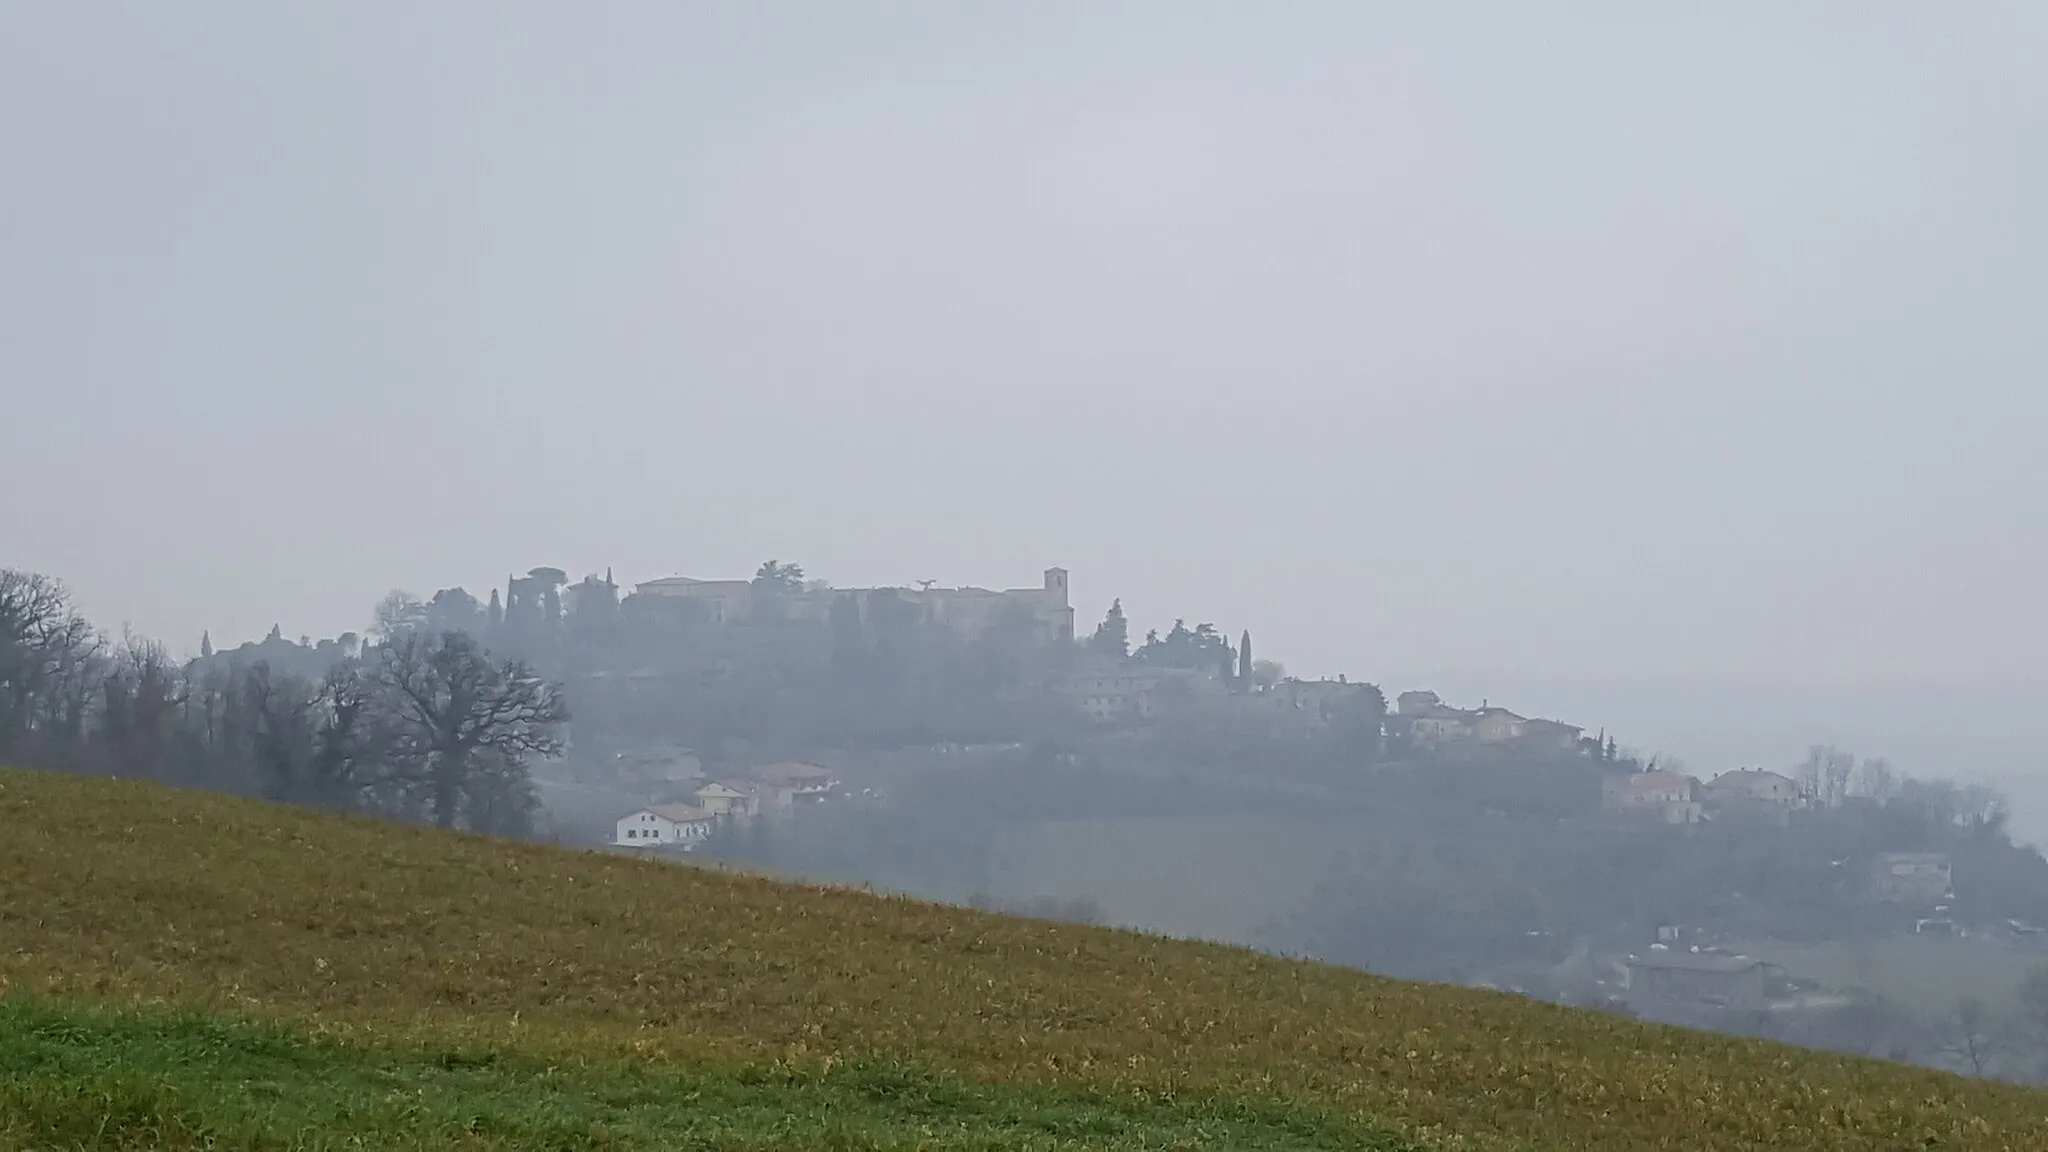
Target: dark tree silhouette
465	725
1112	637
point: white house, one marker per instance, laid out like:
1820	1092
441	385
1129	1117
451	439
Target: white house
679	826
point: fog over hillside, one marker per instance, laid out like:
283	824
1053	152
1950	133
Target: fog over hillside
1976	731
1537	495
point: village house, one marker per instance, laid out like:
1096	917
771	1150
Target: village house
1496	725
674	826
966	611
1552	733
734	798
1427	720
1752	792
1680	987
791	782
722	601
1670	797
1916	878
1754	784
1116	695
1315	704
1128	693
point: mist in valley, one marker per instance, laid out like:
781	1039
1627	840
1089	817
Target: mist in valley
1534	499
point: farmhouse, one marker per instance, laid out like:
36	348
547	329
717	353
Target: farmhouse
1752	792
790	781
674	826
730	797
1676	986
1427	720
1672	797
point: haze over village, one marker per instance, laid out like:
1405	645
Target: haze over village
1544	502
975	745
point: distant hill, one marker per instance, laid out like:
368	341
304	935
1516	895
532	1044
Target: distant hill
185	969
1981	733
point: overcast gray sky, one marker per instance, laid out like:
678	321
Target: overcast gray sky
1574	339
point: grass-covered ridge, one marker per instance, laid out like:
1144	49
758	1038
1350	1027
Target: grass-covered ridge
370	941
94	1079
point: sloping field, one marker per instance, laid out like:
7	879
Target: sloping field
480	980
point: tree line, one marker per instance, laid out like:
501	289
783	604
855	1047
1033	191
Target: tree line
278	717
418	724
875	672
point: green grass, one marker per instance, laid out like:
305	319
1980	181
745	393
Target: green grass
96	1079
376	947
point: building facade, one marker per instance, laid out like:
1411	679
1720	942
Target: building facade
674	826
1917	878
966	611
1671	797
1425	719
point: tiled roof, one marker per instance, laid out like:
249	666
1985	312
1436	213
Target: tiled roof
793	772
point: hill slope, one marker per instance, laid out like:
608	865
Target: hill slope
402	956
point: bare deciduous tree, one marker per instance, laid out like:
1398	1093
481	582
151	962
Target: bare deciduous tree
398	613
1825	775
1878	780
1972	1040
465	726
141	701
45	647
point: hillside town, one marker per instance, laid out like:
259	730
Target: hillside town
974	745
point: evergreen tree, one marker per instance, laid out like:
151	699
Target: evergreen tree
1112	637
206	645
1201	648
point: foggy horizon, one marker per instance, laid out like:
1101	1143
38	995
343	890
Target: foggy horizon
1596	346
1566	476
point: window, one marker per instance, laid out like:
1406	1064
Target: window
631	834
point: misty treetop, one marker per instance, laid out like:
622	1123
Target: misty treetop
421	725
806	666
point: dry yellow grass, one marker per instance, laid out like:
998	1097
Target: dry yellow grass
114	891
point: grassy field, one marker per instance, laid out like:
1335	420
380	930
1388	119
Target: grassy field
186	970
85	1078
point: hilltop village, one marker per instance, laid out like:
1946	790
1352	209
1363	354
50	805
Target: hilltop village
975	745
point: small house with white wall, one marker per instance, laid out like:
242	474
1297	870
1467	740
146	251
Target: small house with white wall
736	798
674	826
